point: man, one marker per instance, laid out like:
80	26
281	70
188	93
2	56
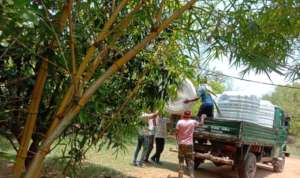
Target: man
207	107
150	137
184	133
160	135
143	139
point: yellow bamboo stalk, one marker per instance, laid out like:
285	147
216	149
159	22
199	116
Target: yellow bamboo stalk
96	63
82	67
36	98
117	113
105	31
122	25
31	118
35	167
66	13
67	98
72	41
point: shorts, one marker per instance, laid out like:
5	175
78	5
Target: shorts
207	109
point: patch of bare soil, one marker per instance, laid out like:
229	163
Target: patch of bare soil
208	170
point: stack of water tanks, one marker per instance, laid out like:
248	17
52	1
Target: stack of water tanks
244	107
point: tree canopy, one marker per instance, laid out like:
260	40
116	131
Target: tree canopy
289	100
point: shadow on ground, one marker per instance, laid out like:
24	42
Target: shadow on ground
54	168
210	170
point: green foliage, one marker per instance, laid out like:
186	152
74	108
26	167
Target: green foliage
289	100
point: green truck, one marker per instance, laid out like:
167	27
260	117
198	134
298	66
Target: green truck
242	144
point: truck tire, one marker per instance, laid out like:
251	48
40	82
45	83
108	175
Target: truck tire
278	164
247	168
197	162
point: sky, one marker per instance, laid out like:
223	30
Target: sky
249	87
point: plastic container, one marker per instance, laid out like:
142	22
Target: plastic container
244	107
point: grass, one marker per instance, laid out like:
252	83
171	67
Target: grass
7	152
106	163
294	149
97	164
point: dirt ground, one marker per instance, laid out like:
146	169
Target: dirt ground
169	170
208	170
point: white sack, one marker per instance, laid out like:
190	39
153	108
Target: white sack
186	91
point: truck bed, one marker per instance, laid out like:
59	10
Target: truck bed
238	132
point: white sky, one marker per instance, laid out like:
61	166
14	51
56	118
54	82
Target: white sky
249	87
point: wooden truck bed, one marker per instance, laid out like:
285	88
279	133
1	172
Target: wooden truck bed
238	132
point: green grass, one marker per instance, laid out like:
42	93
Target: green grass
104	163
294	149
7	152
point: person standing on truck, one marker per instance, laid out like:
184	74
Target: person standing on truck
160	135
207	107
143	139
184	133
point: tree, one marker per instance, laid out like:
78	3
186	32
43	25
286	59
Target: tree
289	100
99	60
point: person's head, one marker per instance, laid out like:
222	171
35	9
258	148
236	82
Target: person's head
203	88
186	115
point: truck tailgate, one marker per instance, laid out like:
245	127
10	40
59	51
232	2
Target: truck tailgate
236	131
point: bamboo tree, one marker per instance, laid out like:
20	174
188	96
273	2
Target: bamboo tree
72	43
31	118
83	65
36	98
35	167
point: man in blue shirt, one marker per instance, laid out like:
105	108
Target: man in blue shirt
207	107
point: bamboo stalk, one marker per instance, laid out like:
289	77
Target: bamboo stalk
105	32
39	157
101	36
35	101
72	42
31	118
117	113
66	13
68	96
96	63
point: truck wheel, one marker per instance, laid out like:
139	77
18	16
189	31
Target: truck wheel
247	169
197	162
278	164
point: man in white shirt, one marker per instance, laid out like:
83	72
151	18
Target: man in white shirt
160	135
143	139
150	137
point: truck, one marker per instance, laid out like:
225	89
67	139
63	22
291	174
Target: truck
242	144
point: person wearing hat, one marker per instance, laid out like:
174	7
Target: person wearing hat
184	133
207	107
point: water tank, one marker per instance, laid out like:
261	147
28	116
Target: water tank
245	107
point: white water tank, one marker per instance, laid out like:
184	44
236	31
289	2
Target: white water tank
241	106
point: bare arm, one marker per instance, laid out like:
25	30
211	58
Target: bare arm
191	100
150	115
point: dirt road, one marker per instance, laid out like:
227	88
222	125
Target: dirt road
208	170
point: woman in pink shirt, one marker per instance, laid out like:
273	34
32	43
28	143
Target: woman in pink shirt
184	133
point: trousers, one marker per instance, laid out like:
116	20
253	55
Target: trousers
185	152
160	144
